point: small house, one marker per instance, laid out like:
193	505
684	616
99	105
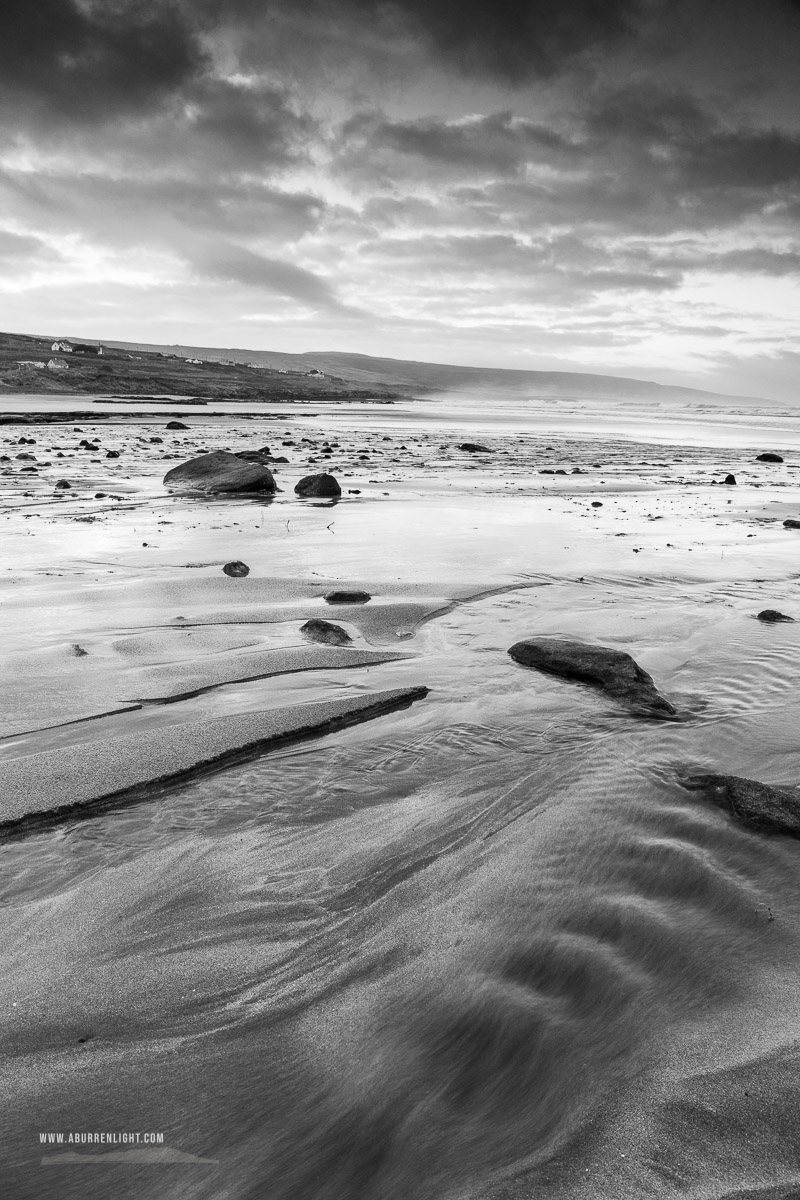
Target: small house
57	364
62	347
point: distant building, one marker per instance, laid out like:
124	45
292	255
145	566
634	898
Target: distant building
31	362
63	347
57	364
195	362
315	374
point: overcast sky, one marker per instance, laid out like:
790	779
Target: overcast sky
601	185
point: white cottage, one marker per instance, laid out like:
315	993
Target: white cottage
57	364
62	347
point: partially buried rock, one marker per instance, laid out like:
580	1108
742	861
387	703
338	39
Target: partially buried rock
730	479
771	616
768	457
474	448
791	523
325	631
176	425
236	570
220	471
318	485
612	670
755	805
343	597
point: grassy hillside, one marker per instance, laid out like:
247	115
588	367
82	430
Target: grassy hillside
133	371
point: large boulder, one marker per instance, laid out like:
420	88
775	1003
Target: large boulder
768	457
220	471
323	485
754	805
612	670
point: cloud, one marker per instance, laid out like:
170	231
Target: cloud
238	264
513	40
63	60
21	246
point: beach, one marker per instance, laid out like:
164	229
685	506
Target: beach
401	918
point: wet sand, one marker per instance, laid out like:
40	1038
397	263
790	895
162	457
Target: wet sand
485	945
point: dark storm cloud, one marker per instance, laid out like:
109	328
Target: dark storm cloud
511	40
91	61
498	143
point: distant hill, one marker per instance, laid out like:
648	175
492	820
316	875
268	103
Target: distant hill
407	375
138	368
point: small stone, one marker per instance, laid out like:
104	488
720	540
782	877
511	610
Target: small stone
318	485
63	484
176	425
236	570
345	597
325	631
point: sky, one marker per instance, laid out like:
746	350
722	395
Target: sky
598	185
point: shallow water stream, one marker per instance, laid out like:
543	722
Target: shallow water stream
485	946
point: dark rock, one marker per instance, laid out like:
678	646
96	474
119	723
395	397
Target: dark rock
791	523
318	485
612	670
730	479
754	805
156	439
561	471
63	484
254	456
220	471
597	504
236	570
325	631
772	616
112	453
474	448
176	425
343	597
768	457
